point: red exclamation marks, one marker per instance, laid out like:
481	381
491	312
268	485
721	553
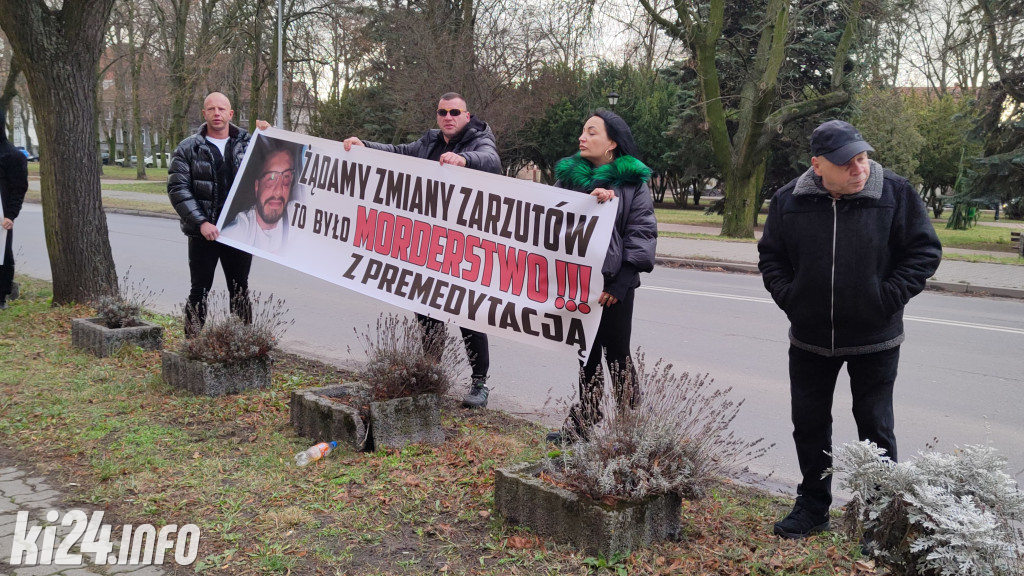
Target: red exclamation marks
572	280
584	273
560	278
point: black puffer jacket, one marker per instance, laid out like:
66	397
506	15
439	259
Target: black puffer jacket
634	240
13	180
192	179
476	145
842	270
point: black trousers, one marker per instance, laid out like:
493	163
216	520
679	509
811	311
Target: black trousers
7	268
203	256
612	339
812	383
476	344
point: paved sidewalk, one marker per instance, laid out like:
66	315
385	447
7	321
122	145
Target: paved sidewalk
20	492
953	275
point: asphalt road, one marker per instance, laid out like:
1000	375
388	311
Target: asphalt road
960	380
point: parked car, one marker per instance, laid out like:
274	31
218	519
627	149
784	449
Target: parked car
153	159
134	160
28	155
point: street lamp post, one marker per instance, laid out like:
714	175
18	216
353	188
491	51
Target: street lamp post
613	98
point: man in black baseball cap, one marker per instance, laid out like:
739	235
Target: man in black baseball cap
838	141
845	246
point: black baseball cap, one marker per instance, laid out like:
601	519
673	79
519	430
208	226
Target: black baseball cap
838	142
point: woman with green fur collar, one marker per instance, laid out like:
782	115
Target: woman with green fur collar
608	168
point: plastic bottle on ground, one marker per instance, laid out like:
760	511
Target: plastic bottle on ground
314	453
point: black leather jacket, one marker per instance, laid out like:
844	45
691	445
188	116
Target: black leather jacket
476	145
842	270
192	179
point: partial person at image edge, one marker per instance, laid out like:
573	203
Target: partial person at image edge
845	246
13	186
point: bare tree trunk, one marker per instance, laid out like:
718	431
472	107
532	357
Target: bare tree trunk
8	94
182	94
26	112
69	41
135	57
740	156
186	73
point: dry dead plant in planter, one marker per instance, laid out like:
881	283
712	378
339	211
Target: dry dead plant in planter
226	339
118	322
403	360
677	440
124	309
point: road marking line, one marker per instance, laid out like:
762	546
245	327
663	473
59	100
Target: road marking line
966	325
709	294
770	301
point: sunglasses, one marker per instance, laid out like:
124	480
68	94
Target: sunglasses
453	112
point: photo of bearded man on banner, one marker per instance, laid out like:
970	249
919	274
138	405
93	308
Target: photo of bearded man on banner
258	214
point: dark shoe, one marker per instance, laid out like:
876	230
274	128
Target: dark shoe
477	397
801	523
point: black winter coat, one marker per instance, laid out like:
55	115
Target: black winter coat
13	179
192	182
476	145
633	245
843	270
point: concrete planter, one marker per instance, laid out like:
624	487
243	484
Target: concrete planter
392	424
315	416
523	498
411	420
205	379
92	334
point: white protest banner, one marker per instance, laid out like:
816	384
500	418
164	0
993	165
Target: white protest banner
487	252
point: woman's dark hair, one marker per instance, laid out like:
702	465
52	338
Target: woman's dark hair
618	132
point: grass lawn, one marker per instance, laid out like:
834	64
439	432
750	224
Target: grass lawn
115	172
112	436
120	203
669	214
978	237
146	187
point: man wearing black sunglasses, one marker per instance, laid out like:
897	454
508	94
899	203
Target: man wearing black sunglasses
460	139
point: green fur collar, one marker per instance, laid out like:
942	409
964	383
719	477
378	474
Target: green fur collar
581	174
